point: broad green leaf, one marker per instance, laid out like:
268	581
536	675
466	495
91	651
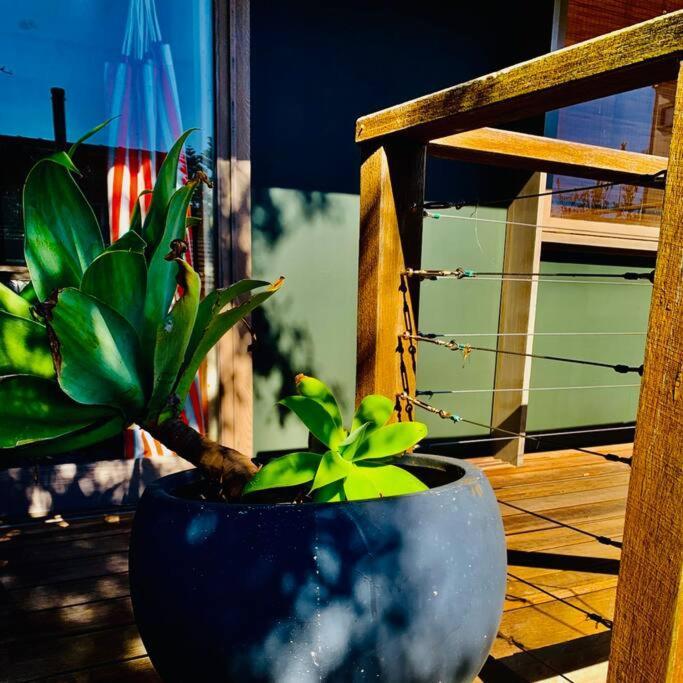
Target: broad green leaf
161	280
214	302
89	436
332	493
118	279
89	134
29	294
310	387
136	218
11	302
218	299
62	237
358	486
129	241
24	347
391	440
375	409
390	480
173	336
165	186
332	468
215	328
316	419
62	159
288	470
35	409
99	354
349	446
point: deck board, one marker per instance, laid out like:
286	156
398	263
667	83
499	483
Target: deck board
541	638
66	614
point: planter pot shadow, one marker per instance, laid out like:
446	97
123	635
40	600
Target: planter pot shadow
408	588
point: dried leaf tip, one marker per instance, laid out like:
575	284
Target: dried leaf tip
178	248
201	177
277	284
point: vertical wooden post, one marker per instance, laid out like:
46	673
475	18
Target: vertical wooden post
647	641
233	195
391	198
517	315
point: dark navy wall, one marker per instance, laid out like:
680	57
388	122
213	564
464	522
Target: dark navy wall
315	68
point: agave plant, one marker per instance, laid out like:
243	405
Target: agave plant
104	337
353	464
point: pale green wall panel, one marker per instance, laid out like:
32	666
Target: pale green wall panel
312	239
561	307
316	249
448	306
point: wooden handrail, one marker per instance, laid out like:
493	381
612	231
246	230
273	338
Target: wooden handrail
536	153
632	57
647	642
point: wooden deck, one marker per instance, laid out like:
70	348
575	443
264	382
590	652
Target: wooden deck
66	613
542	638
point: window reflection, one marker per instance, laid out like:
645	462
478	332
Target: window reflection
637	121
67	66
146	62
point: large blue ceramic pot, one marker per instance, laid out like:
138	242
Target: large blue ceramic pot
398	589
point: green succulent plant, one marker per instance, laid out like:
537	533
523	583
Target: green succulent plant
356	463
104	337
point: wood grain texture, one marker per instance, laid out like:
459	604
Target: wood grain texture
233	169
392	190
517	313
537	153
36	660
136	669
540	638
648	642
639	55
44	624
556	500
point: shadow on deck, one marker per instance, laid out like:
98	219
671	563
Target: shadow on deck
564	517
66	613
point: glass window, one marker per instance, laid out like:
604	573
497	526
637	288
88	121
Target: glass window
67	66
638	121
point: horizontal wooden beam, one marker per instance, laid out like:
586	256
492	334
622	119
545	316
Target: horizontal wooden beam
630	58
536	153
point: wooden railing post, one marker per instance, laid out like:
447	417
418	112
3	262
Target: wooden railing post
522	254
391	198
647	641
234	395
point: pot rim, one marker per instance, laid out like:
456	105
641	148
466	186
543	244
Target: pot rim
469	474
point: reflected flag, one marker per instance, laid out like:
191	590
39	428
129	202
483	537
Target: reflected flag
142	93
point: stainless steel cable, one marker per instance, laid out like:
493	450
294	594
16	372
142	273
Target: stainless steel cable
446	415
593	616
538	435
467	348
436	392
534	334
470	274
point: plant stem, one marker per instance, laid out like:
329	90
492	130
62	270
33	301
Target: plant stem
225	466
